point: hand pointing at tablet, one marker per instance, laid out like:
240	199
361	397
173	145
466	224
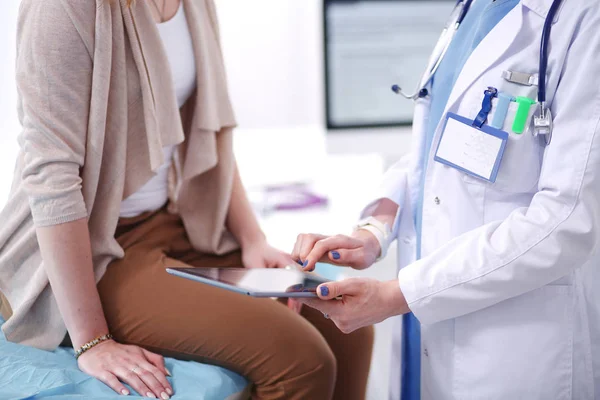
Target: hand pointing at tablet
359	251
363	302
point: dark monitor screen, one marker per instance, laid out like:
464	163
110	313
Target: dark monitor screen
371	45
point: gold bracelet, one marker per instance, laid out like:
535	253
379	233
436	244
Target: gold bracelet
92	344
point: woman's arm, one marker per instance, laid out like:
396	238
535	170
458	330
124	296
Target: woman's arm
54	80
68	261
241	221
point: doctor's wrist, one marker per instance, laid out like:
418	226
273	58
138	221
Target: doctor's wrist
370	241
371	245
394	299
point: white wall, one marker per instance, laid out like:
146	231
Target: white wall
274	56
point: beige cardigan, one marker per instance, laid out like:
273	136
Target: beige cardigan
97	106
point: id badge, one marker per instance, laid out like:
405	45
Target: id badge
474	151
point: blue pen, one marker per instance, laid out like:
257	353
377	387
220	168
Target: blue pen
504	100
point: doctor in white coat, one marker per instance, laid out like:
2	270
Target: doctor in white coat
507	283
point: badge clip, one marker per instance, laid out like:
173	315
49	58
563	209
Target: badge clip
486	107
521	78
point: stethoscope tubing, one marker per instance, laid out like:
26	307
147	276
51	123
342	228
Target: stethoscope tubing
436	60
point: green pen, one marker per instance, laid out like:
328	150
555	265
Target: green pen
522	114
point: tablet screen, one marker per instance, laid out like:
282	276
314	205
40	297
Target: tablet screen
258	280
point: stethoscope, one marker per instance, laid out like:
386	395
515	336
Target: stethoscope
543	123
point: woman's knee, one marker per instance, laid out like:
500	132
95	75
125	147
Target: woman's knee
301	364
310	354
314	376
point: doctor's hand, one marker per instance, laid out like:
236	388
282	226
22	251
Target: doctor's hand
363	302
359	251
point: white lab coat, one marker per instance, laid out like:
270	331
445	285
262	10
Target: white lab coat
508	287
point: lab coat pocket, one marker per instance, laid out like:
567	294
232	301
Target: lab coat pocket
520	348
521	163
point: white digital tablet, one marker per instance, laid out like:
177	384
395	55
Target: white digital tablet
260	282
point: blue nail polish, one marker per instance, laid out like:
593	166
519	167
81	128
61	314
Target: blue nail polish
299	262
324	291
305	263
335	255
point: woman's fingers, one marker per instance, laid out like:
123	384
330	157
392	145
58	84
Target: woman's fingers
156	365
157	360
156	380
283	261
130	376
142	370
114	383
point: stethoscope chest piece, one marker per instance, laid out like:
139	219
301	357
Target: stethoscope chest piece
543	125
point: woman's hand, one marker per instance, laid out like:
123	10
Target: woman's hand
358	251
363	302
260	254
114	363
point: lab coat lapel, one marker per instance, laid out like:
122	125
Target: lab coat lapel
489	51
541	8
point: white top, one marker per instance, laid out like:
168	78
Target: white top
177	42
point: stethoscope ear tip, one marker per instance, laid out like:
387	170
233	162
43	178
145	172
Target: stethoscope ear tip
396	89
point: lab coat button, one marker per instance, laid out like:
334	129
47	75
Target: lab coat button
426	353
437	201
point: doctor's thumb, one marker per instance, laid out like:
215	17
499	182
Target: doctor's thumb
328	291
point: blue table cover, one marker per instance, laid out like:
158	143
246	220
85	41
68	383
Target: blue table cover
29	373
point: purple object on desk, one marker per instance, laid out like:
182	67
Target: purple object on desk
300	197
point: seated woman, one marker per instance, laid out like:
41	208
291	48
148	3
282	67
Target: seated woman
126	168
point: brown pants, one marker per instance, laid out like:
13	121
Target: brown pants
285	355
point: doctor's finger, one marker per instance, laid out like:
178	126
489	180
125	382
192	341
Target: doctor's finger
355	258
302	241
307	243
296	250
321	249
331	308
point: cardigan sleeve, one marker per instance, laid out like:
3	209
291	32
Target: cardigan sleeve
54	81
